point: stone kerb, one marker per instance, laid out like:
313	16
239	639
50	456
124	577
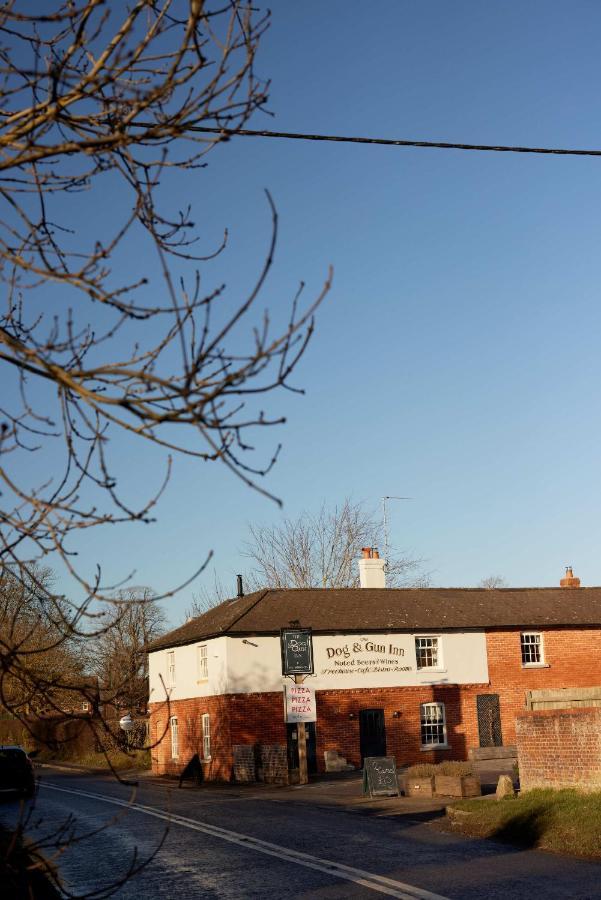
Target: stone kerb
559	748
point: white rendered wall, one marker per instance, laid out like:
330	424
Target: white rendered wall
341	661
359	661
187	677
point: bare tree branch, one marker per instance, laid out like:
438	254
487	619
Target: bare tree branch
322	550
96	95
120	658
108	330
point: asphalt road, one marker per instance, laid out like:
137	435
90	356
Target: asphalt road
237	844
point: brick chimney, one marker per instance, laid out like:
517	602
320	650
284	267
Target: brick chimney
371	569
570	580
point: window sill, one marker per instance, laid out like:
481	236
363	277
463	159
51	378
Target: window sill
434	671
425	747
541	665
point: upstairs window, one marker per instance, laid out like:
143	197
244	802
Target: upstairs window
171	668
427	652
203	663
532	648
433	725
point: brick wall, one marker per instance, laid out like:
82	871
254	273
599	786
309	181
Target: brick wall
336	731
257	718
250	719
188	714
559	748
235	719
567	665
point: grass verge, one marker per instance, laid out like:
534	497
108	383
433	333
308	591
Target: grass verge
137	759
565	821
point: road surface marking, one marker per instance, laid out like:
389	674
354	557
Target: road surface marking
378	883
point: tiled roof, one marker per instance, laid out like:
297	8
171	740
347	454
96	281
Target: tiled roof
404	609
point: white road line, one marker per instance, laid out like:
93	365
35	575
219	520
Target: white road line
378	883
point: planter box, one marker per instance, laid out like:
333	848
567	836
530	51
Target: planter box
505	752
419	787
457	785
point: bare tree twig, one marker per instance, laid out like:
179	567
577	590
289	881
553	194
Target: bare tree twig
95	98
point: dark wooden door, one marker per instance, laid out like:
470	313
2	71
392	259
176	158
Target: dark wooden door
311	741
311	748
489	720
292	733
372	733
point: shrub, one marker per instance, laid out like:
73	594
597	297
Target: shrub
454	767
450	767
422	770
24	871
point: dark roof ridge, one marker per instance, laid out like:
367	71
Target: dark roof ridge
391	609
179	633
549	587
251	607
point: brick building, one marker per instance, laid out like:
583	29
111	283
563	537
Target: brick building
421	674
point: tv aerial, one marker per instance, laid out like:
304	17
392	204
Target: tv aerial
385	520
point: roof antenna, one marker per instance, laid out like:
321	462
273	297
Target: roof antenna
385	523
240	587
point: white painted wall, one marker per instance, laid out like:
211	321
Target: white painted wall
341	661
187	681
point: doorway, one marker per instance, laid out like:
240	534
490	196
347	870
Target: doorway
372	733
311	740
489	720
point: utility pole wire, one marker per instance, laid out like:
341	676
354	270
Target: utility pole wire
386	142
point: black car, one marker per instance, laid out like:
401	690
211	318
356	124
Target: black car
16	772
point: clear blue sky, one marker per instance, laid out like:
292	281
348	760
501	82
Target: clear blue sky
456	359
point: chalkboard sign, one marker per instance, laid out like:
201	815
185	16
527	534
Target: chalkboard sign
297	651
379	776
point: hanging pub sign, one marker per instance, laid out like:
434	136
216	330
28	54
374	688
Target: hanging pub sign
297	651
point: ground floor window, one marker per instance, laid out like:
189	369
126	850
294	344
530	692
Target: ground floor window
206	736
174	738
433	724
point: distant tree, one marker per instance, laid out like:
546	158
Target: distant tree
206	598
493	581
120	655
102	340
322	549
42	662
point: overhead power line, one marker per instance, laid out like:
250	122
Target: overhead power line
388	142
